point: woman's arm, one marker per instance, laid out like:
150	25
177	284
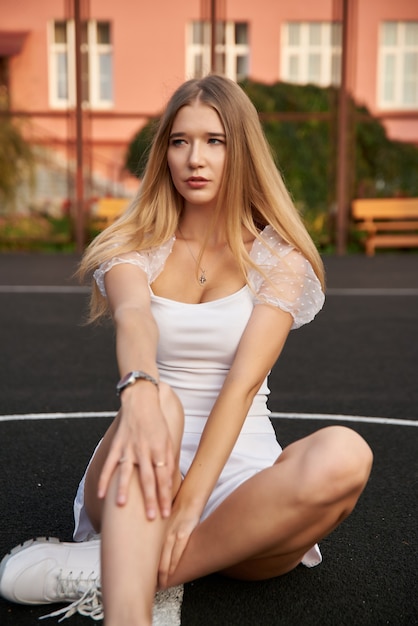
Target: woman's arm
142	436
259	348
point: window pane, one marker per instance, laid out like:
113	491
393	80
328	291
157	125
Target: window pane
84	33
411	33
105	70
336	34
197	32
314	34
410	87
336	69
293	30
314	68
390	34
60	32
85	87
293	68
389	78
198	65
62	76
103	32
220	33
241	67
220	63
241	35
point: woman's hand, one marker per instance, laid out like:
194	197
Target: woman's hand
182	523
142	443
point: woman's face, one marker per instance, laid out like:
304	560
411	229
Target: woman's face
196	154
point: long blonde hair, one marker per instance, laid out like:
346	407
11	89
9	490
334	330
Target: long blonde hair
252	192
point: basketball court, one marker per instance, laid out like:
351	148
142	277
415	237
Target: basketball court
356	364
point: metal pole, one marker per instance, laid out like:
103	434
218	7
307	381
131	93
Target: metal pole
79	215
212	35
342	158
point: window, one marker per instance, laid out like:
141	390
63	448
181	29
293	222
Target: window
96	64
231	49
311	53
398	65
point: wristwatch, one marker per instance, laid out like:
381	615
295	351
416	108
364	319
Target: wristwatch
132	377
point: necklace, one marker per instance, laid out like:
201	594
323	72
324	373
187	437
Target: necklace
202	278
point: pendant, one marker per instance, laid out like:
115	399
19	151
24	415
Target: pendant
202	278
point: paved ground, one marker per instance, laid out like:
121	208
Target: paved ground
359	358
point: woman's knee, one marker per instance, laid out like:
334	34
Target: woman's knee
350	462
338	466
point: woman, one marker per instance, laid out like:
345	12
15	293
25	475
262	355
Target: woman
204	277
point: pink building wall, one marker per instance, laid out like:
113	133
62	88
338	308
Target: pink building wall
149	42
365	87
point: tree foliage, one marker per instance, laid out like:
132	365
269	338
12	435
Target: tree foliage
137	153
305	148
16	162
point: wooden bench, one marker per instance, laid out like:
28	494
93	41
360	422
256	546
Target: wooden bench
107	210
388	222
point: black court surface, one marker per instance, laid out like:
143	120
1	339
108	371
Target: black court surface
356	364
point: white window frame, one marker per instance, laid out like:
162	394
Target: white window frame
392	68
54	79
304	51
94	50
230	49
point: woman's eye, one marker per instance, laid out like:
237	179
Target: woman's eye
177	142
215	140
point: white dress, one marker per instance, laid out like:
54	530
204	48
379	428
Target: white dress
197	345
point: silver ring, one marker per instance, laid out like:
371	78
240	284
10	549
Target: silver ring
160	464
123	459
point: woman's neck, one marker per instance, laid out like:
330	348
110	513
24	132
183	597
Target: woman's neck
199	227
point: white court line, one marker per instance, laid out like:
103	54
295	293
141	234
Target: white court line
44	289
372	291
332	291
290	416
55	416
344	418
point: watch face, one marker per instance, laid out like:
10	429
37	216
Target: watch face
125	380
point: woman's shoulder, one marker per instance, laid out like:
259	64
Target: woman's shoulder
150	260
284	278
269	246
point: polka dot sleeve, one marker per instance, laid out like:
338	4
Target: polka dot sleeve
150	261
289	282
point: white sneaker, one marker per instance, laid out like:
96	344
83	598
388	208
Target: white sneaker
45	571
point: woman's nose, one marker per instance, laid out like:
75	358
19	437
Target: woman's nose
195	155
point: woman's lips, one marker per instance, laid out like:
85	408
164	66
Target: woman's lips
196	182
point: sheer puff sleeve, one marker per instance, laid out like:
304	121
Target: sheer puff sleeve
289	282
150	261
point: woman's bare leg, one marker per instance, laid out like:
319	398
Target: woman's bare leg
267	525
261	530
131	544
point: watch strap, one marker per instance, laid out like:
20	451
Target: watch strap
132	377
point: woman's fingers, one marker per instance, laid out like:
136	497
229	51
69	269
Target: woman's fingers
108	468
126	469
174	546
155	465
149	488
165	560
163	471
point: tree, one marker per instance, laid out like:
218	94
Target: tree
16	162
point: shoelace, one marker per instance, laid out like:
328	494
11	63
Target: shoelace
89	603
